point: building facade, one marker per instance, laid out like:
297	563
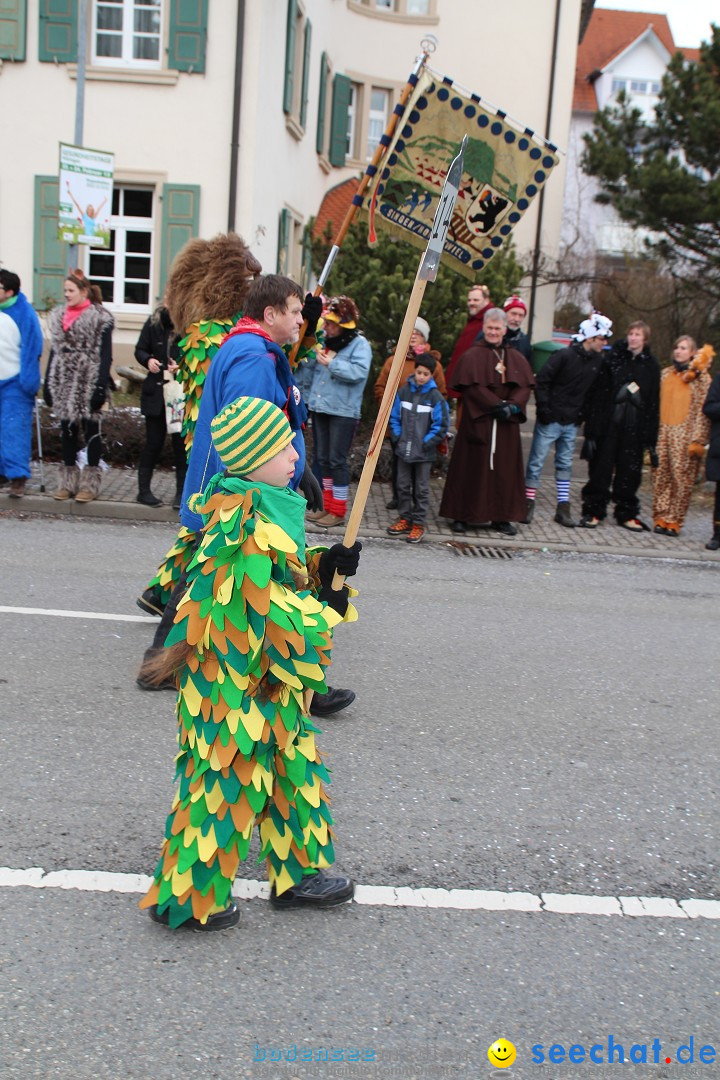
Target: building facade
242	114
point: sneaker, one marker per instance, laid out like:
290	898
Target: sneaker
402	525
329	521
504	527
17	487
587	521
416	534
321	890
220	920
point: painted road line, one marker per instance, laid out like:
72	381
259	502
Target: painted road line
107	616
655	907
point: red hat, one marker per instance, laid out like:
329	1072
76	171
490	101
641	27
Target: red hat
515	302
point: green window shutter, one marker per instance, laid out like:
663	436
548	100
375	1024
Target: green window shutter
12	29
283	256
342	88
58	31
290	57
180	218
49	253
320	134
188	35
305	73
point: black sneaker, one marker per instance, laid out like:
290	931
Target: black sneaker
221	920
504	527
151	602
321	890
332	702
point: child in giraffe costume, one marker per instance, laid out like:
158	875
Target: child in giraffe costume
251	639
683	433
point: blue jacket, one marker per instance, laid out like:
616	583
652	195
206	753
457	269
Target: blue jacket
338	388
23	315
245	365
419	421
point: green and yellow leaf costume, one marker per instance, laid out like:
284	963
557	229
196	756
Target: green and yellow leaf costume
247	746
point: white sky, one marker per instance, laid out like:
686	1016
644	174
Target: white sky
689	19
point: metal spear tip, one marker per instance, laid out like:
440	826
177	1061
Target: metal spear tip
443	216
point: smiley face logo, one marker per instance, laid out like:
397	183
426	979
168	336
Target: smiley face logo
501	1054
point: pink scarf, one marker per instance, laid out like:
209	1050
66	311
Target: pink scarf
72	313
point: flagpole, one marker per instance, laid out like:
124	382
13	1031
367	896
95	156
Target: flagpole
427	271
370	172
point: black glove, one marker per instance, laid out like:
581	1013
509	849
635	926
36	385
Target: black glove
505	411
47	396
311	489
589	448
337	599
654	459
98	398
311	312
344	560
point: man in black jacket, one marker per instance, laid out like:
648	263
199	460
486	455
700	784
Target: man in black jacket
621	422
560	390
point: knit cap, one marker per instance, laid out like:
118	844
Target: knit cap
423	327
248	433
515	302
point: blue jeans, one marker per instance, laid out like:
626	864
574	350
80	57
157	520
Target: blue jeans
564	437
333	435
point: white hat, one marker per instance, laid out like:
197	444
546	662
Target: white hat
422	328
596	326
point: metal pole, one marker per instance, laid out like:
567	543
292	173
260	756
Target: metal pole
541	200
79	100
235	133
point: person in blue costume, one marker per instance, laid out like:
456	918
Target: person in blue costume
21	344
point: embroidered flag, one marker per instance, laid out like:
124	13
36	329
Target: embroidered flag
504	168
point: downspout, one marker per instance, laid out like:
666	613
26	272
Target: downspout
235	133
541	200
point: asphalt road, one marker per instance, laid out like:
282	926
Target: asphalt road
543	724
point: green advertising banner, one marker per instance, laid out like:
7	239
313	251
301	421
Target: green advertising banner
85	195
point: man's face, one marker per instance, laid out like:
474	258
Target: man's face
494	331
635	340
595	344
5	294
284	326
476	301
515	317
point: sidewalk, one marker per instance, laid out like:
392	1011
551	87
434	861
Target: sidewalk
119	489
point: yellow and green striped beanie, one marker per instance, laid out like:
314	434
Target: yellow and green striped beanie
248	433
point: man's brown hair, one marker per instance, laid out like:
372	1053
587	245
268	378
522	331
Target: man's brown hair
640	325
270	290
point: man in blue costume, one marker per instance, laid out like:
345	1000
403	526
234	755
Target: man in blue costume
21	344
249	363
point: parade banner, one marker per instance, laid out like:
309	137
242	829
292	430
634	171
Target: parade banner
504	168
85	195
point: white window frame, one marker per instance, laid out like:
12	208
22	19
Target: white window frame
121	225
377	116
396	9
127	35
359	114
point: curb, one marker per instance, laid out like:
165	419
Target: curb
98	508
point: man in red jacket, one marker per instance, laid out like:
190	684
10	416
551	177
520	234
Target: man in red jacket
478	303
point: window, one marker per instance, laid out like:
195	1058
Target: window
377	118
417	9
322	138
297	68
618	85
124	271
127	33
293	249
351	146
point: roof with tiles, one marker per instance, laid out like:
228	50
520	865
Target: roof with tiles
334	207
608	34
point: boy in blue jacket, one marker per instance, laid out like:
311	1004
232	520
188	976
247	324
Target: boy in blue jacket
418	423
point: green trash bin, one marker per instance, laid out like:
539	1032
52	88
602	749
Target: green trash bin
542	351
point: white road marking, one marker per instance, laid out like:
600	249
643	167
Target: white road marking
656	907
108	616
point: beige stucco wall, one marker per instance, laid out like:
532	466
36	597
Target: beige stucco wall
179	130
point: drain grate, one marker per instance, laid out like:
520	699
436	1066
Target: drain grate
460	547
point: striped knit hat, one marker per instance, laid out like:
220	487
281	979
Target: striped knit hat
248	433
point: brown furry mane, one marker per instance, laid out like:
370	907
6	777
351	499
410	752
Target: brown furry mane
209	279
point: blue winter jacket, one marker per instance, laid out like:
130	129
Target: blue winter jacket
245	365
419	421
338	388
23	315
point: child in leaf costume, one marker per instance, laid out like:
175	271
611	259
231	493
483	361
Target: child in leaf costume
251	639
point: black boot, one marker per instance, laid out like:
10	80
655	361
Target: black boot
145	495
151	601
530	512
562	515
714	543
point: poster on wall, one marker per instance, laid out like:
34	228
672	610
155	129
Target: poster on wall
85	195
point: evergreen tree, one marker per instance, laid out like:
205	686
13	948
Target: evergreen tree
664	175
